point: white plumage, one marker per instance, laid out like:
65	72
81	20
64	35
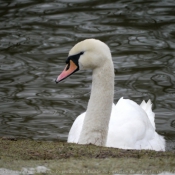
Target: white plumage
131	127
124	125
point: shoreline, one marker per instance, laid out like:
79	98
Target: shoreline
66	158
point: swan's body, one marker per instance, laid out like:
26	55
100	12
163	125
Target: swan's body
124	125
129	127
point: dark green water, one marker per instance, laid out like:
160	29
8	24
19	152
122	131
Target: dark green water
35	37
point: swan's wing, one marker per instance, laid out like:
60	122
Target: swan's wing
147	107
76	128
128	124
130	128
158	141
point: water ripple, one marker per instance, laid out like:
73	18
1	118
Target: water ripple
35	38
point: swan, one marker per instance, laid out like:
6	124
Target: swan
125	125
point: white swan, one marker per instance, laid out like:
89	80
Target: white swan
124	125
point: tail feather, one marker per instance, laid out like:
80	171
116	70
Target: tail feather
147	107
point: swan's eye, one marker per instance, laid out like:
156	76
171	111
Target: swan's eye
73	58
68	65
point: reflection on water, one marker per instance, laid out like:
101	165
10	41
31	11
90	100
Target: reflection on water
35	37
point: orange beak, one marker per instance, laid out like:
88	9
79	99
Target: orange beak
68	70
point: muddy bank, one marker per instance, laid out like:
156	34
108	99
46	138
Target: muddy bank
65	158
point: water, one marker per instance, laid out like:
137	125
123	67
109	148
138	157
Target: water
35	37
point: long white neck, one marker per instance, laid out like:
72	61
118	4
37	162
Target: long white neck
95	126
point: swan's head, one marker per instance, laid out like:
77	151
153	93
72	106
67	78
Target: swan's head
87	54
